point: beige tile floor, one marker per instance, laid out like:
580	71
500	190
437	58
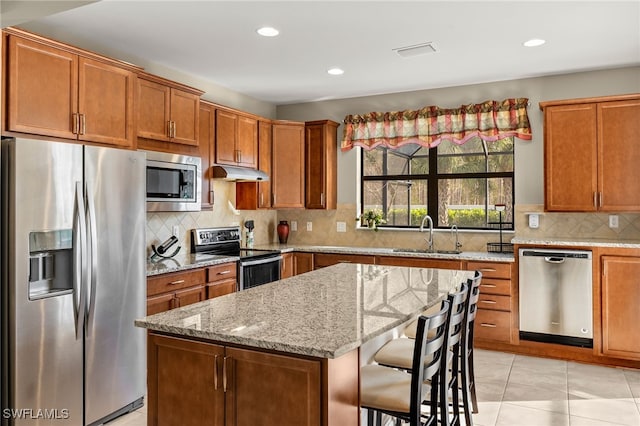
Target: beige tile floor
515	390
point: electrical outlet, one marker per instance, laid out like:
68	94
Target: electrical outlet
341	226
613	221
176	231
294	225
309	226
534	220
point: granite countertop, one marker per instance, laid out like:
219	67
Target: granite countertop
183	262
324	313
585	242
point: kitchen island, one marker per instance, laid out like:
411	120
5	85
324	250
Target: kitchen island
285	353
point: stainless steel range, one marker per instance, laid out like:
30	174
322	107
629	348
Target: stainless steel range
255	267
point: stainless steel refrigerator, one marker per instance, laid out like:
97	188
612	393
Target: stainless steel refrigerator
73	281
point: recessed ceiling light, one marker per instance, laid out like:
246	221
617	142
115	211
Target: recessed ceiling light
335	71
415	50
534	42
267	31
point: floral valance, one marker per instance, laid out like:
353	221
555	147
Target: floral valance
490	120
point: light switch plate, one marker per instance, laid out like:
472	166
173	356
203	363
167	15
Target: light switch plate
534	221
341	226
176	231
309	226
294	225
613	221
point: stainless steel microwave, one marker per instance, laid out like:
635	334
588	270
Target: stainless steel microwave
174	182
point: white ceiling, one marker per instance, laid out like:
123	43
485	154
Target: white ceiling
476	41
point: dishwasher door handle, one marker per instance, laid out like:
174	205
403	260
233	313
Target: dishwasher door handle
550	259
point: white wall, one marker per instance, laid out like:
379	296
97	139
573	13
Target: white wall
529	154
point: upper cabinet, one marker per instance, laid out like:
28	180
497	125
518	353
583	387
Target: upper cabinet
56	90
591	154
321	164
236	139
257	195
167	111
287	183
207	149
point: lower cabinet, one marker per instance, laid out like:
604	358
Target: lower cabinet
221	279
321	260
195	383
173	290
302	262
287	265
419	263
495	317
620	287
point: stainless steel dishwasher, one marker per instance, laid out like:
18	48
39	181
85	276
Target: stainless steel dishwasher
556	296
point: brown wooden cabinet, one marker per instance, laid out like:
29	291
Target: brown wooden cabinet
419	262
236	139
197	383
620	289
591	155
287	184
321	164
173	290
54	90
257	195
496	306
287	268
167	111
221	279
206	144
321	260
302	262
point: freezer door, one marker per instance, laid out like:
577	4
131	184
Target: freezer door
45	352
115	350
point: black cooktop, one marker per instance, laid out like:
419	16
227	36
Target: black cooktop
224	242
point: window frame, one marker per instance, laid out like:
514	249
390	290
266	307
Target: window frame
433	178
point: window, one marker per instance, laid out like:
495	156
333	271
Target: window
457	184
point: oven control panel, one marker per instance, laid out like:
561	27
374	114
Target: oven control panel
210	236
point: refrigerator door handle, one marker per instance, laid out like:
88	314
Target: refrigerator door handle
79	261
93	257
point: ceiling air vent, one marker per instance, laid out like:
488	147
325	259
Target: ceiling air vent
416	49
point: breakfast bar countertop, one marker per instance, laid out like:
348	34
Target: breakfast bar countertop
324	313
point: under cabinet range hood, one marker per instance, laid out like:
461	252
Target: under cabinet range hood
233	173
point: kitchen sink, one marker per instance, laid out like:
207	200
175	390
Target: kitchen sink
449	251
412	250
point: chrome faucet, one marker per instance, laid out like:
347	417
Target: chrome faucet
428	219
458	244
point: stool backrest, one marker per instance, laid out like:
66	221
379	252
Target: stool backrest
428	361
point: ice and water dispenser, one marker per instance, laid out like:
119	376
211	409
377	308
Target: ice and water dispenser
50	263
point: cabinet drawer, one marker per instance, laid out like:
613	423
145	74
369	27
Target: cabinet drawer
224	271
161	303
190	295
220	288
494	302
492	286
491	270
174	281
493	325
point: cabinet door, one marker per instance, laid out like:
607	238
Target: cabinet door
154	103
288	166
185	108
315	166
184	383
105	100
303	262
247	142
620	313
253	379
264	163
207	152
221	288
42	89
419	263
570	158
226	125
286	268
619	155
322	260
190	295
160	303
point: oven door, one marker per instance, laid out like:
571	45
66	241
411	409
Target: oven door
259	271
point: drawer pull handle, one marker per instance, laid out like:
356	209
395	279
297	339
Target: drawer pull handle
224	272
224	374
487	270
493	302
176	282
488	285
215	372
484	324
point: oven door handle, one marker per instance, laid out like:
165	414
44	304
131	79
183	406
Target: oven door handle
260	261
